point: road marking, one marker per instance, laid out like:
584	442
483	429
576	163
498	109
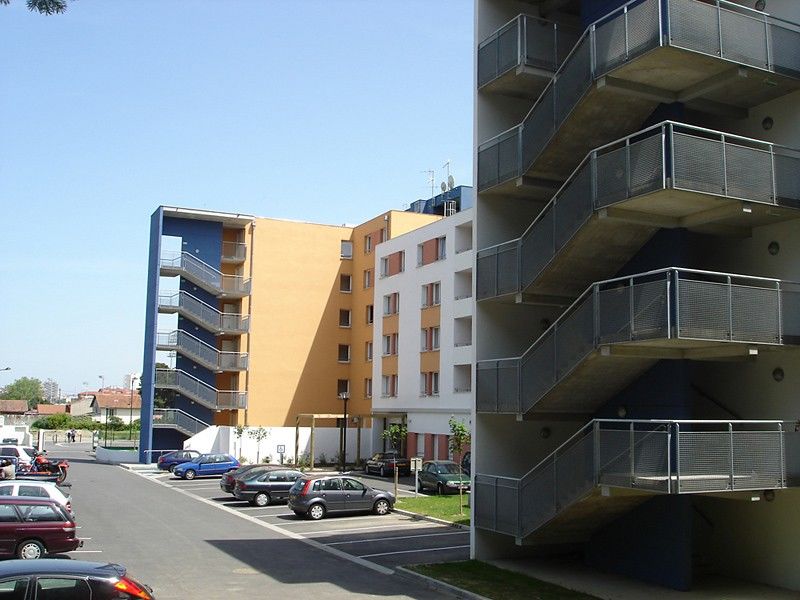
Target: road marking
86	551
291	534
399	537
348	520
337	531
415	550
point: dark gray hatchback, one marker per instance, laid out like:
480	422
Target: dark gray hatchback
314	497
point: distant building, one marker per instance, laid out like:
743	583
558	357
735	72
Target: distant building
51	390
13	407
51	409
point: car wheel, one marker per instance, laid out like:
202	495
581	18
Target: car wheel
30	550
261	499
172	468
190	474
383	471
440	489
316	512
381	507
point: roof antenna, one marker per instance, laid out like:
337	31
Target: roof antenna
431	179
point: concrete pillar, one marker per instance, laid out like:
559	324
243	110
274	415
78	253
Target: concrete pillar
428	446
411	444
443	449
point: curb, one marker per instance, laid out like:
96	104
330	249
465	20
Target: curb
428	518
438	585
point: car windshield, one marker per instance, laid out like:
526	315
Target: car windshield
447	469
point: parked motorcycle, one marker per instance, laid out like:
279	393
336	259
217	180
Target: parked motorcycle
44	469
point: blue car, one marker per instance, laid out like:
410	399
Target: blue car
206	464
170	460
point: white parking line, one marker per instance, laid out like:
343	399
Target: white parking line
398	537
86	551
415	550
332	521
337	531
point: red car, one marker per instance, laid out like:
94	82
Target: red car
33	527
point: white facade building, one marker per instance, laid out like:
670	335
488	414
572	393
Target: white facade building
422	341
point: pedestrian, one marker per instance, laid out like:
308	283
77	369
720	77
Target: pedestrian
7	470
73	435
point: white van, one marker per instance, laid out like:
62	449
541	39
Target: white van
36	489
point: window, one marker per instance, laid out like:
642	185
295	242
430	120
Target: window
429	384
431	294
430	339
331	484
441	253
368	388
370	314
368	350
434	338
345	283
391	304
344	317
367	279
393	264
431	251
390	344
383	235
343	386
14	589
344	352
420	254
389	385
39	513
33	490
353	485
367	244
52	588
384	266
347	249
8	514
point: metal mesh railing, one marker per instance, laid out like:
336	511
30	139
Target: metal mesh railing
236	251
199	391
177	419
204	273
721	29
524	41
662	304
204	314
670	457
201	352
666	155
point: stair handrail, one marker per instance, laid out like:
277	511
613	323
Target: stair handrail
173	293
183	412
178	332
183	255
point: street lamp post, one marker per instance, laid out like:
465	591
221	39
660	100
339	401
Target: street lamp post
344	396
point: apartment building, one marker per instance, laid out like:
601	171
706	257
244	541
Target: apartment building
636	320
253	321
422	344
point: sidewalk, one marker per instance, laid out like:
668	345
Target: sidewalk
575	575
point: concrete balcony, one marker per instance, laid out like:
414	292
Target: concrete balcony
199	391
609	467
620	328
718	58
174	418
521	57
203	354
201	313
667	176
204	275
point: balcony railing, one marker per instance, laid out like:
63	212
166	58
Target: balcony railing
670	305
524	41
658	457
205	275
205	315
174	418
720	29
199	391
666	156
202	353
234	252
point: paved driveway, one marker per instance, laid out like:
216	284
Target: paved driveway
390	540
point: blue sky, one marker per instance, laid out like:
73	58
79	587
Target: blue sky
325	110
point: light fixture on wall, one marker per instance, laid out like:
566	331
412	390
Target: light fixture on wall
622	411
773	248
778	374
760	5
769	495
767	123
545	432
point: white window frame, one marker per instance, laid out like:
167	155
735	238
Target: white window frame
436	293
338	353
341	281
368	350
367	279
370	314
346	249
441	248
384	266
349	317
435	338
367	244
368	387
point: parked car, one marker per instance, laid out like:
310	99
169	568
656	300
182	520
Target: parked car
263	487
384	462
17	452
206	464
314	497
442	476
228	480
56	578
36	489
168	461
33	527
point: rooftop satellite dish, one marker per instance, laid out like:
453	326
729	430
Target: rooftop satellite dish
451	182
443	186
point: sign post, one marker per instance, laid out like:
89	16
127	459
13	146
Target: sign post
416	465
281	451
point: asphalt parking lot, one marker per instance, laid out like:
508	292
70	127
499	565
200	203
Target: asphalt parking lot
389	541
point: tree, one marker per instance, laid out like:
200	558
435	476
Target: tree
238	431
395	433
259	435
459	439
24	388
45	7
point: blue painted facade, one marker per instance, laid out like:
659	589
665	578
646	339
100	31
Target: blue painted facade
462	195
